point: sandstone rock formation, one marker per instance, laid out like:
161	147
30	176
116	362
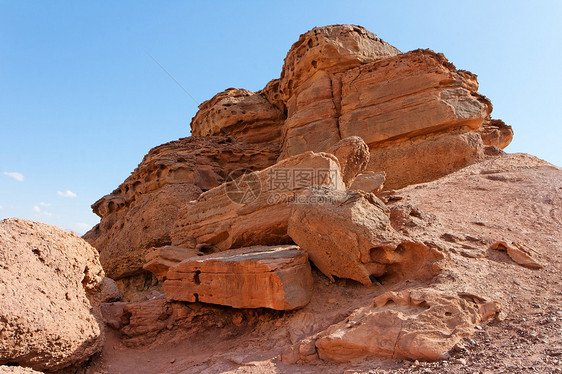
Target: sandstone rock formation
519	253
257	277
410	324
348	235
299	163
255	209
142	211
49	296
420	117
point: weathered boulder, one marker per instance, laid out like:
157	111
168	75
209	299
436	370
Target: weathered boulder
419	324
241	114
275	277
369	181
254	209
338	229
159	260
110	292
142	211
49	296
353	156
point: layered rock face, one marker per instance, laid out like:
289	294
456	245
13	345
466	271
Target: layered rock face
414	110
141	212
239	113
50	288
420	117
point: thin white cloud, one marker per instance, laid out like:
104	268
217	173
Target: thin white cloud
44	204
40	212
15	175
1	207
66	193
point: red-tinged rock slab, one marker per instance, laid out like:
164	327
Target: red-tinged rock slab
276	277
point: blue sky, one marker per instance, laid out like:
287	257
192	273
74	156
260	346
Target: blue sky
81	101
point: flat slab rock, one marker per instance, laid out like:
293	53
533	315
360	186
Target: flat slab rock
276	277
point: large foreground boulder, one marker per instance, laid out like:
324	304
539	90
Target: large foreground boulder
50	281
275	277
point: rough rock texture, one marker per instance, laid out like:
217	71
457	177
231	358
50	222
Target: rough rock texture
519	253
310	87
353	156
159	260
49	288
428	255
370	181
419	115
254	209
258	277
411	324
338	229
330	48
241	114
426	158
141	212
17	370
312	117
496	132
